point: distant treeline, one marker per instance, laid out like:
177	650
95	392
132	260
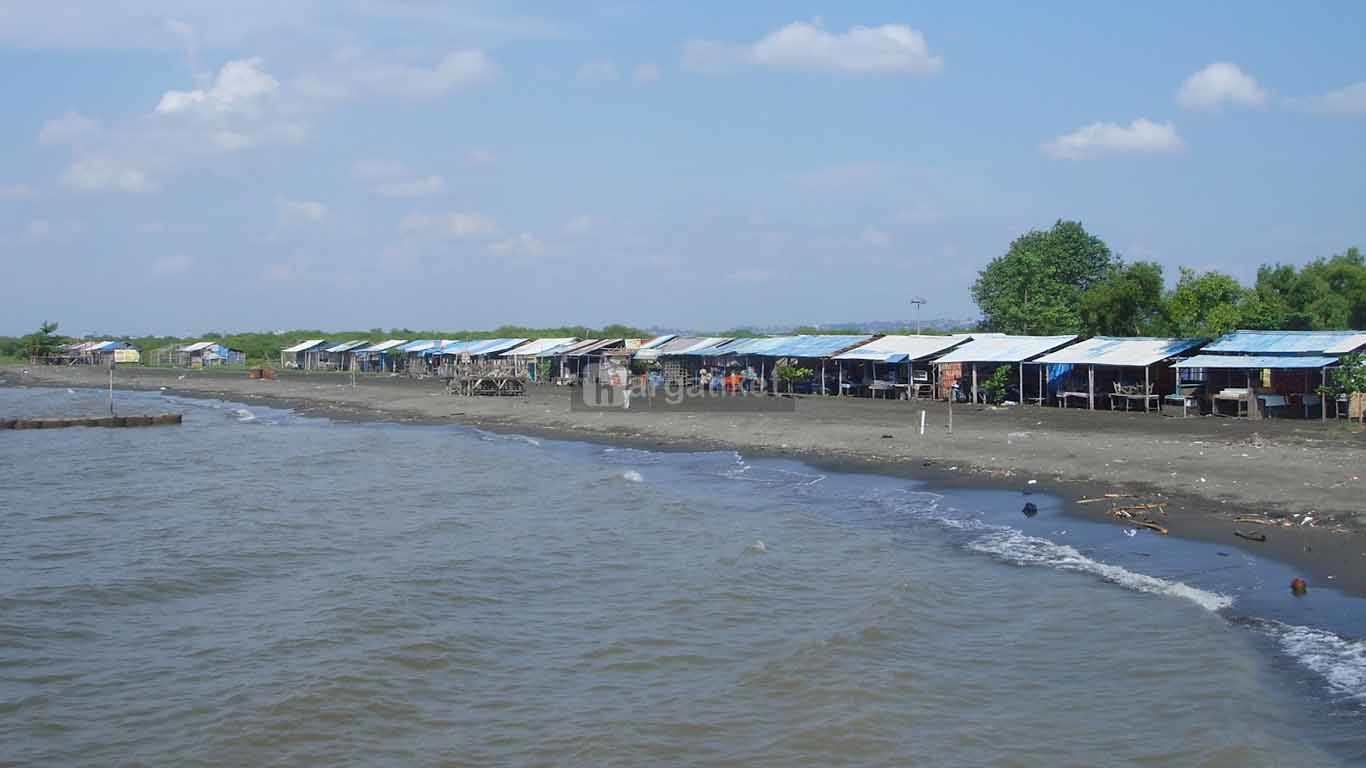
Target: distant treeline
1065	280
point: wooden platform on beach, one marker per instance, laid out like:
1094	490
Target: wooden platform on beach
159	420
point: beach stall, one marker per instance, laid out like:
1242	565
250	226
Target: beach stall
815	352
876	368
476	356
672	358
380	357
208	354
341	357
576	360
1126	371
305	356
985	353
1258	373
415	357
101	353
527	357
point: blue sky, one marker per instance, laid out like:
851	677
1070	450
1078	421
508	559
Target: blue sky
193	165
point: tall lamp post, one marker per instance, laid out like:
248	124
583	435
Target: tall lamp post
917	301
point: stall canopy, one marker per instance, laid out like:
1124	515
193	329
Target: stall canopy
304	346
1256	362
1288	343
347	346
901	349
678	345
539	347
1000	348
383	346
1134	352
478	347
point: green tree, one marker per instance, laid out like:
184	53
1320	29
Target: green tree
1036	286
1204	304
42	342
1126	302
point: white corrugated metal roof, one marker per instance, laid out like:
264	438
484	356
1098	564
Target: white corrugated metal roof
1000	348
347	346
384	346
537	347
197	346
304	346
1137	351
1289	342
897	349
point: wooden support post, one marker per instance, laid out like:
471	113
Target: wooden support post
840	382
1042	393
1147	388
1323	396
974	383
1090	387
1022	397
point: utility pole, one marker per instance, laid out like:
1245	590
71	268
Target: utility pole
917	301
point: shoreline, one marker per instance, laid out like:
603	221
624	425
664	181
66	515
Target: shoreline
1332	555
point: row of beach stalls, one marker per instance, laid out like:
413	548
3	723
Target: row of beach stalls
1242	373
98	353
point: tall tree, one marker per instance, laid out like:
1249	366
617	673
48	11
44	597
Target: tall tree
42	342
1126	302
1204	304
1036	286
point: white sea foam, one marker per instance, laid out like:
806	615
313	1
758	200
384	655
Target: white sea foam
758	546
244	415
1339	661
632	476
1012	546
497	437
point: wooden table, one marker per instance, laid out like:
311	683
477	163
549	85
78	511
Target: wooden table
1064	396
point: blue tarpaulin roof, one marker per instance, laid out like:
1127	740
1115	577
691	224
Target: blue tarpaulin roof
1289	342
479	347
784	346
1257	362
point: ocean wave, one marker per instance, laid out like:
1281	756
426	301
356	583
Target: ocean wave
1339	661
1012	546
493	437
632	476
244	415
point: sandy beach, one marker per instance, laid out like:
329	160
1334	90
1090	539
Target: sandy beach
1304	477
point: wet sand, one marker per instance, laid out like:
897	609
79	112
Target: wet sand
1205	470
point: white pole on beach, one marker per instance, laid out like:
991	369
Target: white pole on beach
922	422
111	385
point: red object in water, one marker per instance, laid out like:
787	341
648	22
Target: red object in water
1299	586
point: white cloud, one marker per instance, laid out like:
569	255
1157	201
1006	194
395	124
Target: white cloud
44	229
301	210
102	173
420	187
239	88
579	225
1348	100
890	49
1218	84
39	229
16	192
875	238
459	225
457	69
645	73
176	264
597	72
524	244
1142	135
71	128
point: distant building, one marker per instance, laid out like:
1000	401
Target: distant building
208	354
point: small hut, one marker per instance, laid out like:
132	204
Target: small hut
381	357
1266	372
987	352
208	354
304	356
1126	371
341	357
894	366
527	357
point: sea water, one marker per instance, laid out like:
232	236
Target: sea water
254	587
